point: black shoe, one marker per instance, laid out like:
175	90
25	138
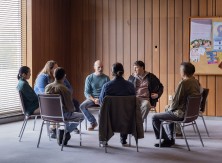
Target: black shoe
165	143
53	134
68	136
59	139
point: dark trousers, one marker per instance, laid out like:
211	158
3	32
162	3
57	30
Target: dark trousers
76	104
158	118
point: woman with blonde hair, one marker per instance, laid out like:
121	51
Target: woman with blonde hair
45	77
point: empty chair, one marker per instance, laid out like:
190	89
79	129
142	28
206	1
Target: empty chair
203	106
191	114
120	114
52	111
27	116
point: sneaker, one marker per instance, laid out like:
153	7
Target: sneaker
53	133
103	144
93	126
165	143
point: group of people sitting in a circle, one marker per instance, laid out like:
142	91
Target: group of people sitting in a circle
143	84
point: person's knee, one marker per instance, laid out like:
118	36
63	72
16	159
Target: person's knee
155	118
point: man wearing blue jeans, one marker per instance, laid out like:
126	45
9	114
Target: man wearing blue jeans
93	86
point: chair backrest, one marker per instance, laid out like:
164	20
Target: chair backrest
192	108
21	102
51	107
122	111
204	99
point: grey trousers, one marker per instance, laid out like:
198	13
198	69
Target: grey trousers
145	107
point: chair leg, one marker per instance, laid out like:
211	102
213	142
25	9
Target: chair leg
137	149
40	134
34	122
145	124
64	137
86	123
23	129
199	133
161	130
80	132
48	130
205	126
130	136
194	127
182	129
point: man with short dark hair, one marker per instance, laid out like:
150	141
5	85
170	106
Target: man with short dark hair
58	87
148	87
188	86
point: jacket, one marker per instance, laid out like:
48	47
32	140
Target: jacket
29	97
155	86
120	114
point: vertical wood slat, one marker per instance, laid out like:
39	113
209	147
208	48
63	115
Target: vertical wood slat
163	53
99	29
112	32
126	38
178	38
148	35
141	32
171	48
156	41
119	30
134	33
106	37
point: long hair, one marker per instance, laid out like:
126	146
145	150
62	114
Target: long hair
47	68
23	70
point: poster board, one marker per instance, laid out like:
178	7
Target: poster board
206	45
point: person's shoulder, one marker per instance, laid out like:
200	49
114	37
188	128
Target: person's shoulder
42	76
21	84
89	76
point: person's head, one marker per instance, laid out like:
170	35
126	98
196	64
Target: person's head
24	73
187	69
117	70
139	67
98	67
49	68
59	74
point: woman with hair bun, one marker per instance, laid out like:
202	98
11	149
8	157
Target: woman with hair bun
29	97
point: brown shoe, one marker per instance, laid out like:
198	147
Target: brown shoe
93	126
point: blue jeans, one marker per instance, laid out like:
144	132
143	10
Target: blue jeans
75	117
84	108
158	118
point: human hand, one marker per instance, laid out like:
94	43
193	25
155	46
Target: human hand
96	101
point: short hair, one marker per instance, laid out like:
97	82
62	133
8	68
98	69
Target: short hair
22	70
117	69
59	73
140	63
188	68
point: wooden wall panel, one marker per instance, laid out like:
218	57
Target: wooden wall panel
163	52
126	38
77	32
